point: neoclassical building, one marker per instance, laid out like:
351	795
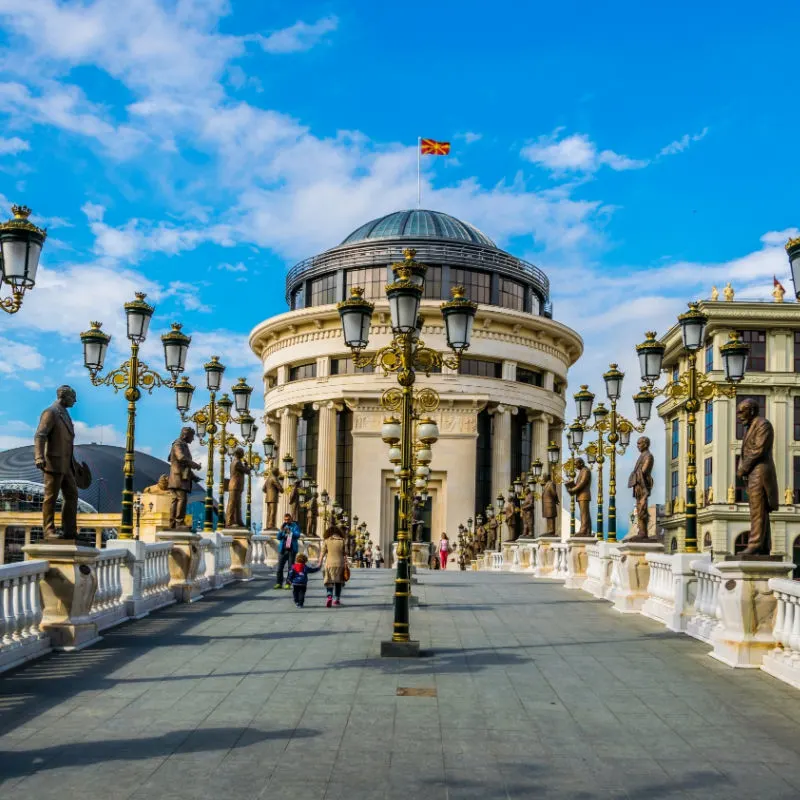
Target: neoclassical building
773	380
498	411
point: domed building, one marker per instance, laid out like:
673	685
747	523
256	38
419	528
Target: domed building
498	412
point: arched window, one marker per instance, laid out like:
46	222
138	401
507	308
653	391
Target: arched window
741	542
673	545
707	541
796	558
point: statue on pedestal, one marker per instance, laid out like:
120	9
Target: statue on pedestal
758	468
550	504
527	511
159	488
53	453
641	481
581	488
312	513
180	477
480	539
509	510
272	489
491	533
233	511
294	501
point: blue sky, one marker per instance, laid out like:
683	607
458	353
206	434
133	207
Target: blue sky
195	149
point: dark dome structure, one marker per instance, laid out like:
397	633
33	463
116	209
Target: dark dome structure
419	223
455	252
105	461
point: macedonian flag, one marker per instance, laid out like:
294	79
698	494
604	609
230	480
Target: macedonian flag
430	147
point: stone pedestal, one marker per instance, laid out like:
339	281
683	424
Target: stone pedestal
746	608
68	590
632	576
271	552
184	558
577	561
545	556
240	552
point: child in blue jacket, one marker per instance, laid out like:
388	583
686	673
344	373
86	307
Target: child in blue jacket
298	577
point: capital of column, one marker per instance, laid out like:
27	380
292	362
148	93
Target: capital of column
330	405
501	408
290	411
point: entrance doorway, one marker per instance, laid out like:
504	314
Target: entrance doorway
422	516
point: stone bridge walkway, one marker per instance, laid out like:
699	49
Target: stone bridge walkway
530	691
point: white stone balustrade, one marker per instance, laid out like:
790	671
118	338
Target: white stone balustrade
155	591
783	660
560	561
705	617
261	553
599	569
205	570
109	606
21	613
672	588
496	561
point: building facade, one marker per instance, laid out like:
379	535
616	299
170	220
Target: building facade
498	412
773	380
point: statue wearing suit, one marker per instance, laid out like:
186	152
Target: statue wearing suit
233	511
581	488
180	477
758	468
53	454
550	503
641	481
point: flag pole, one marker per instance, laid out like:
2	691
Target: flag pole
419	165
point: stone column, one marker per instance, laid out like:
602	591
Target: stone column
326	447
273	430
777	414
288	444
501	449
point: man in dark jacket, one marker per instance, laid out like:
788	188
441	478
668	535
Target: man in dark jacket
288	545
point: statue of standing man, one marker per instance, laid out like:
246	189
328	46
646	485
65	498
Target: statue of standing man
180	477
233	511
550	504
527	511
758	469
641	481
53	454
272	490
581	488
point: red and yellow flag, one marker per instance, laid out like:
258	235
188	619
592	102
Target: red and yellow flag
430	147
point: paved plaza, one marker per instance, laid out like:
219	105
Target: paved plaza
526	690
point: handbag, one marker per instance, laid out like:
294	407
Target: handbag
346	572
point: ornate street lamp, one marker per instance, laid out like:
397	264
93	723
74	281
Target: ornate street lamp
793	251
693	388
269	448
183	395
21	245
132	375
405	356
583	403
651	354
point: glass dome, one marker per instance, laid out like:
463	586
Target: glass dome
419	223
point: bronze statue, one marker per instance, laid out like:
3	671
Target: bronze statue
53	453
272	489
180	477
758	468
527	512
480	538
312	512
641	481
295	501
581	488
233	511
509	510
550	503
161	487
491	533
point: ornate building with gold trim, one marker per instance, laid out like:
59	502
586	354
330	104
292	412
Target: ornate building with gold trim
773	379
497	413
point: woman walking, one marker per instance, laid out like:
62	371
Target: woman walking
333	560
444	550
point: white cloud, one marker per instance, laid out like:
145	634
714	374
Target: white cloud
575	153
97	434
34	386
13	146
299	37
679	145
469	137
232	267
19	356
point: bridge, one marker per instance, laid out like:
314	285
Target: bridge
525	689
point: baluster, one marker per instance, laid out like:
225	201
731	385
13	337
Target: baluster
36	607
26	615
782	625
6	618
794	634
16	601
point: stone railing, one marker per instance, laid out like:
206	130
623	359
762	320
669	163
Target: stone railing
495	561
660	604
109	607
222	561
705	617
599	569
205	572
260	558
155	591
783	660
560	561
21	613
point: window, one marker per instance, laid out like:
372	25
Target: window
797	351
344	459
299	297
512	294
757	360
323	290
307	440
762	408
741	484
709	422
796	479
480	367
433	284
558	387
675	371
797	418
529	376
483	471
345	366
371	279
708	471
706	541
740	542
673	493
710	355
303	371
676	438
478	285
521	444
